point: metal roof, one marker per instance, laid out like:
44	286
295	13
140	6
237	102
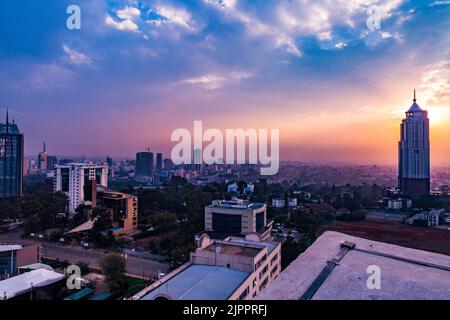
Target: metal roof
17	285
200	282
10	247
80	294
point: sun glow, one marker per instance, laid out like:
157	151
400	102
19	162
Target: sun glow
438	115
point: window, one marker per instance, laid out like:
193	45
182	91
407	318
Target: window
244	294
227	223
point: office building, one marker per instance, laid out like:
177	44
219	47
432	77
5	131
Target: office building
159	162
168	164
229	269
144	164
42	159
52	161
11	160
73	178
236	218
124	209
414	152
109	161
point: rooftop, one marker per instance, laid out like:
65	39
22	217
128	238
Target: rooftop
200	282
236	204
13	128
233	249
17	285
9	247
405	273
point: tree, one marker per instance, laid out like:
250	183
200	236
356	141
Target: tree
113	266
32	224
162	219
101	234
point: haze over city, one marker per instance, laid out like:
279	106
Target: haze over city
137	70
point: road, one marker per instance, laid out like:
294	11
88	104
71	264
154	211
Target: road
136	266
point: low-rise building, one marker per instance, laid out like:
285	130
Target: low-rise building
399	204
230	269
278	203
14	256
39	284
292	202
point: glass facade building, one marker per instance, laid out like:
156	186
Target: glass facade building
11	160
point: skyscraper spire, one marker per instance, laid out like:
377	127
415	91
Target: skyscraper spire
415	95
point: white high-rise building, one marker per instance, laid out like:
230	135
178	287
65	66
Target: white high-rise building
72	178
414	152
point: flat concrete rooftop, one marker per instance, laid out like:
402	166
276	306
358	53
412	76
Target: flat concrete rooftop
423	276
233	249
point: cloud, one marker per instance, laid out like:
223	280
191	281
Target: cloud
125	25
49	76
439	3
286	22
216	81
127	19
255	27
75	57
176	16
436	83
128	13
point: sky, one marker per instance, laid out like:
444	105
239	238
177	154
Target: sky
333	81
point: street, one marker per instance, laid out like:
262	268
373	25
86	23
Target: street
136	266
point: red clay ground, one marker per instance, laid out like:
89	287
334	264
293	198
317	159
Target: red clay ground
427	239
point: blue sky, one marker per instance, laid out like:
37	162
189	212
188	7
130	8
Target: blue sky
139	69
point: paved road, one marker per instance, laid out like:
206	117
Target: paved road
136	266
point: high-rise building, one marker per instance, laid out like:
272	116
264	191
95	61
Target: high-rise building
42	158
414	152
168	164
144	164
159	162
109	161
72	178
52	161
11	160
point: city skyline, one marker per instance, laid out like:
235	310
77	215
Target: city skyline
322	78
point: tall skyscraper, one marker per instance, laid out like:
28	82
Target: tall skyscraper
11	159
109	161
73	179
144	164
159	162
42	158
414	152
